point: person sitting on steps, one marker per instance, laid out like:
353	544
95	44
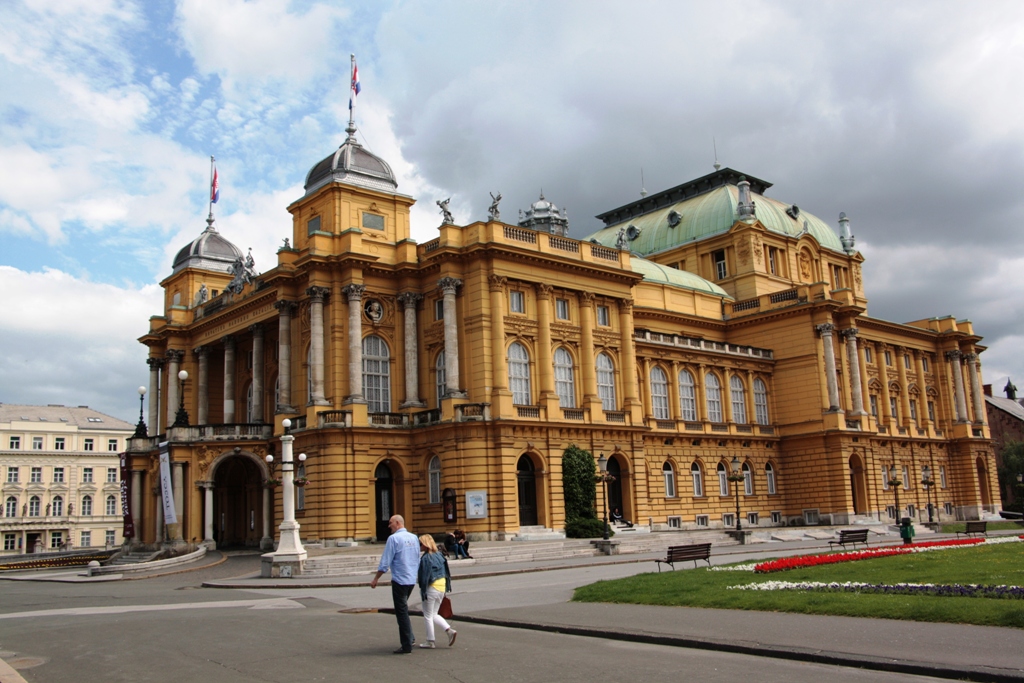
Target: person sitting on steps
461	545
618	518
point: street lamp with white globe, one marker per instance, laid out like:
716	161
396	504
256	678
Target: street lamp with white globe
290	554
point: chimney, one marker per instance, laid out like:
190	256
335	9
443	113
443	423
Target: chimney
986	389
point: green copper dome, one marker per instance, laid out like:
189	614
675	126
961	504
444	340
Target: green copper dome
655	272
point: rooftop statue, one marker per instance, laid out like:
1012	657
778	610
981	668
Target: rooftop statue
446	214
243	272
492	212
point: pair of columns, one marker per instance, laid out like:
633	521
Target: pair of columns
955	358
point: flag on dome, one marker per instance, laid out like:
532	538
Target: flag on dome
214	187
355	85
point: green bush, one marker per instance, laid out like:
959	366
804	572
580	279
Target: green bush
585	527
578	486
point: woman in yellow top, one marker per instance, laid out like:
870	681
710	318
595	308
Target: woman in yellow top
435	580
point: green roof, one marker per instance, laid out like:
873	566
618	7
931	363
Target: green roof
655	272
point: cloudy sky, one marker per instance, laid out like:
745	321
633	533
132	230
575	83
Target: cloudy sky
904	115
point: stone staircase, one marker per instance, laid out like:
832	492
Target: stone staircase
137	557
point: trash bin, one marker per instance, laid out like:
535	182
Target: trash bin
907	531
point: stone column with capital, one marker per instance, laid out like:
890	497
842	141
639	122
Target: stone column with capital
284	356
826	330
409	301
155	366
632	402
588	353
856	390
448	286
354	294
229	380
257	373
174	357
977	400
203	384
545	364
500	394
136	504
958	384
208	541
922	409
317	296
177	481
901	372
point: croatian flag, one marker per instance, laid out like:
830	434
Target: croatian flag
355	86
214	187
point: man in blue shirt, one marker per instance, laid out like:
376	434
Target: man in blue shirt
402	557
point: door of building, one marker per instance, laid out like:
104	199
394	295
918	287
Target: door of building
615	486
34	543
238	503
527	492
384	497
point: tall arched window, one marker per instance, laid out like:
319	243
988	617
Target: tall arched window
670	479
442	378
86	506
11	507
760	401
58	506
698	480
723	480
739	400
434	471
659	393
748	480
687	396
376	374
769	475
606	382
33	506
713	397
111	506
519	374
565	383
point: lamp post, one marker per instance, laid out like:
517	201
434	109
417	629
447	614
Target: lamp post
927	483
181	419
290	552
602	465
736	477
140	429
895	483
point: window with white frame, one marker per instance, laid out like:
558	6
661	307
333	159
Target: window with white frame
702	520
723	480
434	475
11	507
713	397
906	477
519	374
37	476
931	411
924	363
111	536
14	443
565	383
687	396
58	475
85	539
562	309
111	506
885	478
87	475
777	517
58	443
12	475
37	443
87	444
606	382
438	309
760	401
441	376
33	506
669	475
516	302
748	480
86	506
10	541
111	475
948	508
874	405
718	257
739	400
659	393
753	518
892	408
111	444
56	539
888	358
57	506
603	316
906	361
698	480
867	355
913	409
942	476
376	374
728	519
769	475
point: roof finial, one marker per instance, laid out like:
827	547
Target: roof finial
715	145
845	238
643	190
745	206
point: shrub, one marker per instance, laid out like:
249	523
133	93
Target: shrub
585	527
578	486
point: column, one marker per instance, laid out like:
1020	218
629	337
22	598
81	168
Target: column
545	365
922	408
976	396
257	373
267	542
354	294
645	389
628	352
158	518
675	407
958	384
727	395
500	379
901	370
155	366
203	381
177	479
701	391
749	403
825	330
174	357
284	356
229	380
448	286
588	355
136	504
208	541
885	410
853	354
409	301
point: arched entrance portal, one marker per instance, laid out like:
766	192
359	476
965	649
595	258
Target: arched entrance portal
986	495
525	473
615	486
384	497
238	503
858	486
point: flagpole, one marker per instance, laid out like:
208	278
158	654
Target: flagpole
351	96
209	192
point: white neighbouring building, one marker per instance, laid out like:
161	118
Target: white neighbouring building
59	469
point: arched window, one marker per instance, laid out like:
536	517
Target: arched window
519	374
769	475
249	417
58	506
760	401
86	506
723	480
698	480
434	470
565	383
659	394
737	393
33	506
670	479
687	396
11	507
111	506
748	480
606	382
376	375
713	397
442	378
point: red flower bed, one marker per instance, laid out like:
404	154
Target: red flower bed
801	561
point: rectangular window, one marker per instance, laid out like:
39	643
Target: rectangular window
670	483
439	309
603	319
748	482
911	511
111	475
892	408
58	443
37	475
698	484
769	474
931	411
516	302
675	522
874	405
37	443
777	517
867	354
58	475
948	507
906	361
942	476
773	260
890	510
313	225
56	539
753	518
562	309
723	482
87	475
906	477
110	538
15	443
12	475
837	277
9	541
913	410
718	257
112	444
885	478
702	520
728	519
373	221
924	363
888	358
87	445
85	540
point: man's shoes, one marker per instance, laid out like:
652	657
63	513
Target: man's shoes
401	651
429	645
451	636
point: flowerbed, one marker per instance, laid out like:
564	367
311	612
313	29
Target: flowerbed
942	590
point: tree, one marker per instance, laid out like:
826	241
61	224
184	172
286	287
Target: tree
1013	464
578	485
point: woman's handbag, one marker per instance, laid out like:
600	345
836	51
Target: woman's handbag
445	610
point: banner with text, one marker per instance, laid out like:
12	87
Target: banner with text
166	489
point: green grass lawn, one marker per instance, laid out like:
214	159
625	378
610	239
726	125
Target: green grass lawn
1007	525
991	565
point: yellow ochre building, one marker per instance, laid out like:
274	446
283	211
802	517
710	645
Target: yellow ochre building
706	327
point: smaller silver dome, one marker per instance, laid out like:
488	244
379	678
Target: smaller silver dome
543	216
353	165
209	251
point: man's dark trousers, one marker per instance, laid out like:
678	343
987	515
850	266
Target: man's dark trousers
400	594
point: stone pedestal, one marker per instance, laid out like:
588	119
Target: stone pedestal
609	547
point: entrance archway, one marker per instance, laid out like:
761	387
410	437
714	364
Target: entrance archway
986	495
238	503
527	478
384	500
858	485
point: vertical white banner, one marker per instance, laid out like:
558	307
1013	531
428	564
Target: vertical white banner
166	490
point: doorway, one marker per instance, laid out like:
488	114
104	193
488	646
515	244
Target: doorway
615	487
384	498
527	478
858	487
238	503
986	496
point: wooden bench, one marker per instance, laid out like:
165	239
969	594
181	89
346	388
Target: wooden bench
851	536
974	528
683	553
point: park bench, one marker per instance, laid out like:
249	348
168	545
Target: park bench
851	536
974	528
683	553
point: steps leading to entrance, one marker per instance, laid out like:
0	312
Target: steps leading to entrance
537	533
